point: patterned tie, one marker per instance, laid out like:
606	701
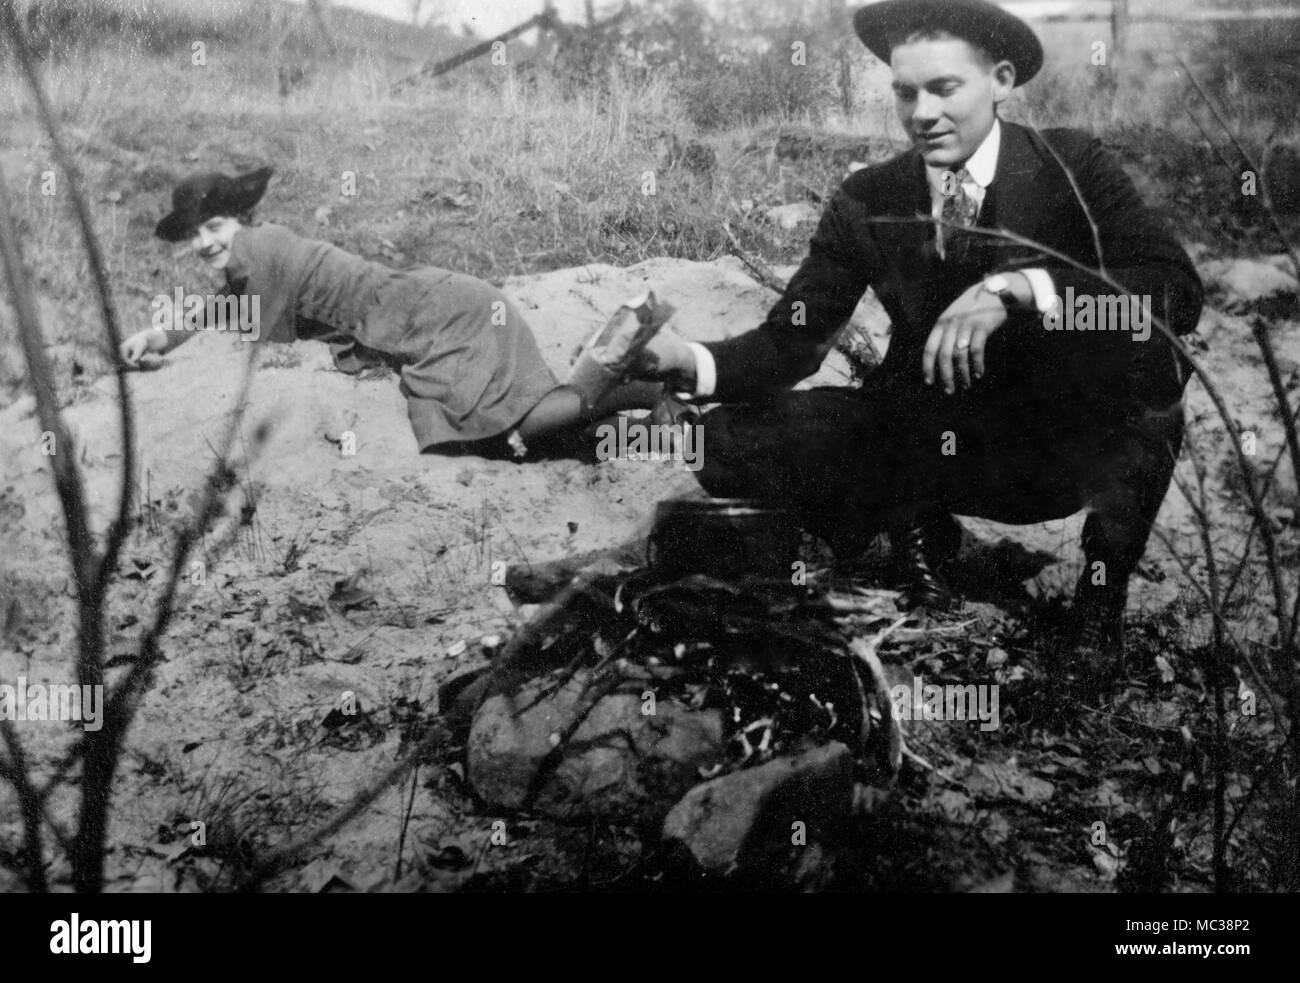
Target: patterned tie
959	209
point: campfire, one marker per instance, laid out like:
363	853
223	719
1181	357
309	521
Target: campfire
636	687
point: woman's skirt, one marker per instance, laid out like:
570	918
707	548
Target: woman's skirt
470	367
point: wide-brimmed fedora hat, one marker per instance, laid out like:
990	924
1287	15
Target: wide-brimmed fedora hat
883	25
200	197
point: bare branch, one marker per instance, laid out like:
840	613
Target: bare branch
104	565
67	476
761	271
15	772
1256	503
1272	217
120	703
1260	330
1078	196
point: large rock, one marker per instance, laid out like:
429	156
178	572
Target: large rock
620	763
1246	281
737	821
790	217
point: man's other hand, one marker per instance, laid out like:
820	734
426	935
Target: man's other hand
955	349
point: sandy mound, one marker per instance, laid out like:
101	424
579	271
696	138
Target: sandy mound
235	731
182	408
405	506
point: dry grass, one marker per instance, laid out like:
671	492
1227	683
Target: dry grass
489	173
494	179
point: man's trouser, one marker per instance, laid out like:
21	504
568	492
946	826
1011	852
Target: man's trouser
848	462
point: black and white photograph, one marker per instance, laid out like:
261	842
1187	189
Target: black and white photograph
651	447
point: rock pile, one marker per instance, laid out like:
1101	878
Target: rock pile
726	718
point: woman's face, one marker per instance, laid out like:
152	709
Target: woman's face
212	240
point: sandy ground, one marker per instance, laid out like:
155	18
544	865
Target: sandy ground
232	734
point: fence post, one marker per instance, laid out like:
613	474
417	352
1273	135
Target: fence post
1118	46
846	80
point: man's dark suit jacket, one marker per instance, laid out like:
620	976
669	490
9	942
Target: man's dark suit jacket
876	233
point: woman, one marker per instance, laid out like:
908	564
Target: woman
472	374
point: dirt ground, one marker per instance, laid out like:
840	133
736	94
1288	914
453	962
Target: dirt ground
237	732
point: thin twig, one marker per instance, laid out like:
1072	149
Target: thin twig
1200	510
1283	238
16	773
1259	328
105	564
507	671
1257	505
148	652
406	822
1240	647
1078	197
761	271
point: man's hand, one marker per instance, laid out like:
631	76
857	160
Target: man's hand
666	358
955	349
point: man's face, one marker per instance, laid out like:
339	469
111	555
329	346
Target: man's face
946	94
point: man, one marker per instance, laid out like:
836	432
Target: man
980	407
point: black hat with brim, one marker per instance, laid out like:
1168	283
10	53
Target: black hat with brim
203	196
882	26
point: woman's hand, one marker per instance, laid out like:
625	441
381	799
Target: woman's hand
148	340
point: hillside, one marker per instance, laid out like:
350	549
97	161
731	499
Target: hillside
520	176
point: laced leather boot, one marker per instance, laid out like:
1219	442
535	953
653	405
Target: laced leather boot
916	552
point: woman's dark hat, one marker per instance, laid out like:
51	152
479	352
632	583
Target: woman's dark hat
199	198
883	25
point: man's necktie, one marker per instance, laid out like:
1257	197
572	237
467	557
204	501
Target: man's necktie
959	209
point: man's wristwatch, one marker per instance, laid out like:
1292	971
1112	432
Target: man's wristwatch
1000	284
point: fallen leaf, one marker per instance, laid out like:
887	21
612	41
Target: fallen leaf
352	656
144	570
1107	796
303	611
1002	884
349	593
1107	866
994	780
321	876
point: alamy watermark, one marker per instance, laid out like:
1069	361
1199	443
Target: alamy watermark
1101	312
180	311
930	701
22	702
637	441
76	936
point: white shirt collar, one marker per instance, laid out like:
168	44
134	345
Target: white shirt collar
981	166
